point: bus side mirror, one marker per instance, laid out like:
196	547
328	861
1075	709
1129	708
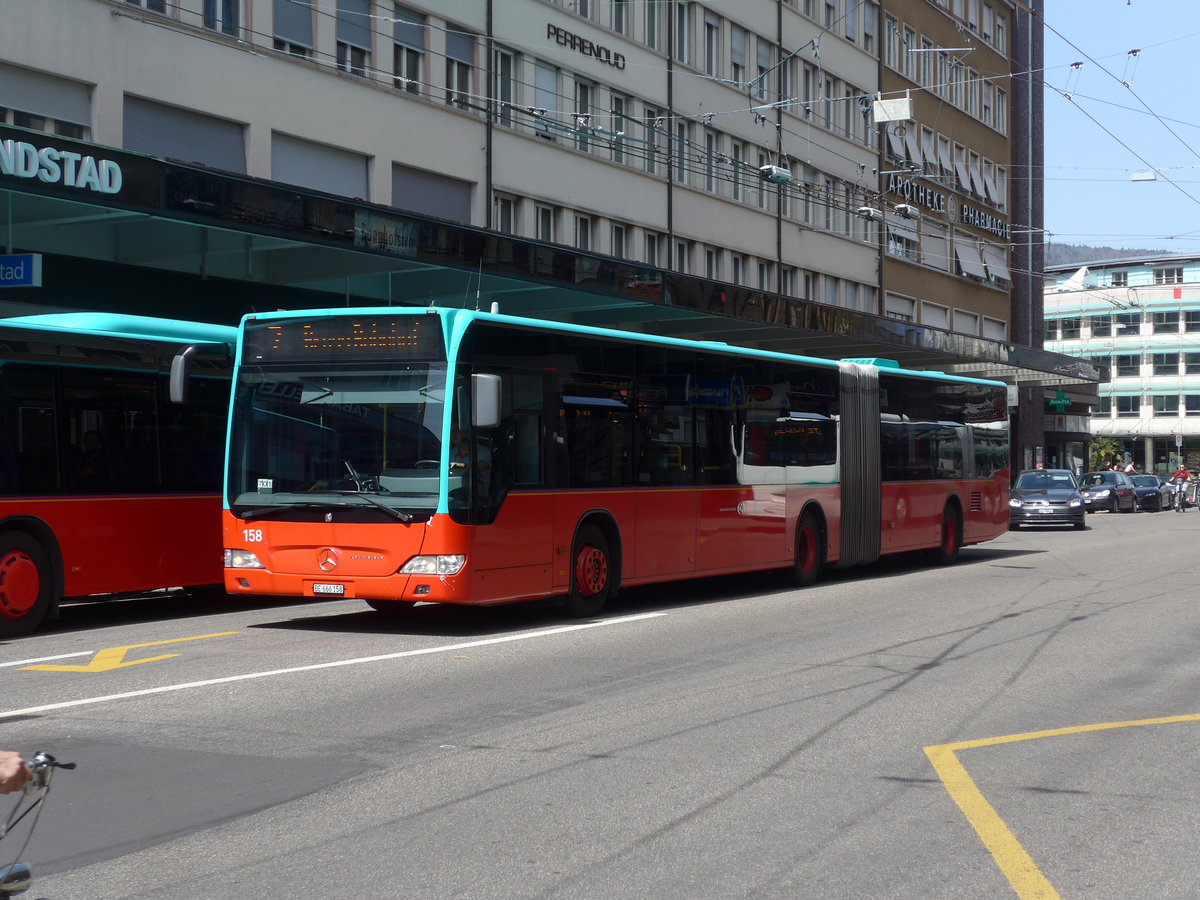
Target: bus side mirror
485	401
181	366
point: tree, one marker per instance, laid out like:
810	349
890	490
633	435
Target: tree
1103	451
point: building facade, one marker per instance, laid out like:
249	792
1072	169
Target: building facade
1139	319
732	163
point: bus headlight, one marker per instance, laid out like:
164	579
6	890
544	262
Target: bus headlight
241	559
434	565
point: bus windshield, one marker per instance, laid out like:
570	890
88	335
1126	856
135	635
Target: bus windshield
337	436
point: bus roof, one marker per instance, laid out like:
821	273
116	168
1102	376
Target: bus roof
143	328
461	317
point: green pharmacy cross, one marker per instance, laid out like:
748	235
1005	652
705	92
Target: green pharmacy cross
1060	401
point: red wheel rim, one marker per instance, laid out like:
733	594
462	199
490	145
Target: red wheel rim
949	533
591	571
807	549
20	584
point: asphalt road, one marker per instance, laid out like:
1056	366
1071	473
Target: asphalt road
1023	723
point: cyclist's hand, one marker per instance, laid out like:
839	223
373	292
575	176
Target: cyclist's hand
14	773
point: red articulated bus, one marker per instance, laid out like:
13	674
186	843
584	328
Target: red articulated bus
106	487
454	456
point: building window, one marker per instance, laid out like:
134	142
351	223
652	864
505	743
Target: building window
158	6
1102	326
460	57
891	42
654	17
409	50
1166	363
620	125
584	92
222	16
1191	363
1166	322
1128	364
1165	404
737	55
653	248
354	36
683	142
683	32
1071	328
738	275
712	45
504	86
1105	407
1127	324
620	16
547	224
353	59
765	279
682	252
712	150
763	76
1129	407
583	232
870	17
651	121
712	264
1191	320
1120	279
1191	404
619	233
1173	275
506	215
545	91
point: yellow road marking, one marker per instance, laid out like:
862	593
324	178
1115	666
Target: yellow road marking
114	657
1018	867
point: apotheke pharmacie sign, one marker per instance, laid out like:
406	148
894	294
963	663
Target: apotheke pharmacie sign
50	165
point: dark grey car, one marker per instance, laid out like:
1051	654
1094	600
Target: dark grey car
1045	497
1108	490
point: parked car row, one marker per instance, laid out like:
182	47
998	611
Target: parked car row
1055	497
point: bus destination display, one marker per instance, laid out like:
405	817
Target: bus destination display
345	338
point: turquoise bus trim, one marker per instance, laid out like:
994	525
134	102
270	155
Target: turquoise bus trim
457	321
139	328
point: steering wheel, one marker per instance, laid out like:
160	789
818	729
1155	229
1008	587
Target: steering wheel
426	464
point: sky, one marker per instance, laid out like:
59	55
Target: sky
1121	118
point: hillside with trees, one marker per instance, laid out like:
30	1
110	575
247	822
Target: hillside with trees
1070	254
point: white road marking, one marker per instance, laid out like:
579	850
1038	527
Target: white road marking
42	659
248	676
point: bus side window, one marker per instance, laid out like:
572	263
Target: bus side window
29	452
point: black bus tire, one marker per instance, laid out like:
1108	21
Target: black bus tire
591	573
26	584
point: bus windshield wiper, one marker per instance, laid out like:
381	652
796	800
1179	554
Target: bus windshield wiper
391	510
281	507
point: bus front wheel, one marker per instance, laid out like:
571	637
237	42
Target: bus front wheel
809	556
591	575
26	584
946	552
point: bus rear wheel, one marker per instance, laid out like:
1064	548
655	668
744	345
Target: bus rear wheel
26	585
591	575
946	552
809	556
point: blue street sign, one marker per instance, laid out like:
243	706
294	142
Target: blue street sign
21	270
